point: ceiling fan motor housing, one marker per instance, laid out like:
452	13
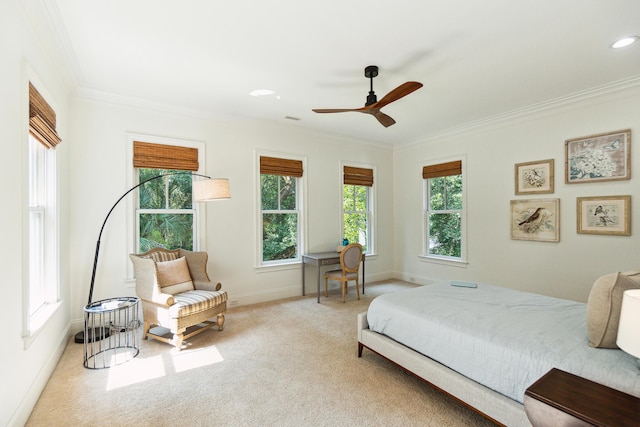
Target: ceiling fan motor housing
370	72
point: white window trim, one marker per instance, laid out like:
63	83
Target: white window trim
438	259
200	232
302	207
373	208
32	325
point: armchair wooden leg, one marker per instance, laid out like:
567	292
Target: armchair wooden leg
177	341
358	288
344	289
145	330
220	321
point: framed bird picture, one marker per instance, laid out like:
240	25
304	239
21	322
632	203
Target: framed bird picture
536	220
604	215
602	157
534	177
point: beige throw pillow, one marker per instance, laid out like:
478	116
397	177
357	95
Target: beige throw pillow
173	276
604	304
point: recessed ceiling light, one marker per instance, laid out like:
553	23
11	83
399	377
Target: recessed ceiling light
625	41
261	92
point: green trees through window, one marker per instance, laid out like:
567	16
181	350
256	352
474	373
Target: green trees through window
166	214
355	211
444	216
279	208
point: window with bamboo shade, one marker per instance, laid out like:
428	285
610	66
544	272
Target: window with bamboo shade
41	237
280	209
166	213
444	210
357	206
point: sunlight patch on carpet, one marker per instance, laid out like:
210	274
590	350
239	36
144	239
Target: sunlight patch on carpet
136	371
185	360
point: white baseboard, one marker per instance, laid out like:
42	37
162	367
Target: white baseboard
30	399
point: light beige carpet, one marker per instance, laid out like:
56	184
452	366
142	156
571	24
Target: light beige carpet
286	363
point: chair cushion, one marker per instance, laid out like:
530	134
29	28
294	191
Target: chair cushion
603	307
192	302
173	276
337	275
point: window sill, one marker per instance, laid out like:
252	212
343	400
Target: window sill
444	261
37	323
265	268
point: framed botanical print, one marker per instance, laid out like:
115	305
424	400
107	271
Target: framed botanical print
534	177
535	219
604	215
602	157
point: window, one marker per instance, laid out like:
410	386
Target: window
38	227
42	221
280	209
356	206
165	215
443	211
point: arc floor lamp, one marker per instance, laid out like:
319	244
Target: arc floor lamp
205	190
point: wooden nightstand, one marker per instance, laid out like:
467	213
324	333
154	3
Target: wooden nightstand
562	399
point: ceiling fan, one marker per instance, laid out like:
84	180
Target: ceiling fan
372	105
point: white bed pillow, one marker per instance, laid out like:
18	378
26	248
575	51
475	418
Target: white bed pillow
604	304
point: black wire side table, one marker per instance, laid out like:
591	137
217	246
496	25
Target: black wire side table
111	332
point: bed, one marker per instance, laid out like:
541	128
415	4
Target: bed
485	345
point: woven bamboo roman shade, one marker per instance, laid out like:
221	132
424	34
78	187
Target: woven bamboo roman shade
161	156
282	167
42	119
442	169
358	176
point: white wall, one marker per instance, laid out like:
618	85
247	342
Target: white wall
27	362
566	269
98	178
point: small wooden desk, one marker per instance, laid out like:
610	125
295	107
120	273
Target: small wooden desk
561	399
320	259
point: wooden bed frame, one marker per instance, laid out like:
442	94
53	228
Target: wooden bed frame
492	405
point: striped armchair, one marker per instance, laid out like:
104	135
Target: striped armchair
177	294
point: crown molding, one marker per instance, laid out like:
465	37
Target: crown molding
542	107
45	24
64	42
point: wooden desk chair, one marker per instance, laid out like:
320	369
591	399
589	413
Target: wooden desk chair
350	259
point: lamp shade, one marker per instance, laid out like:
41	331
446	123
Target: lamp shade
629	327
211	189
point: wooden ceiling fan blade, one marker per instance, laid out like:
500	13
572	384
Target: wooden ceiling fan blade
397	93
384	120
334	110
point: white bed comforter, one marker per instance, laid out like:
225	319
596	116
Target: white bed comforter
501	338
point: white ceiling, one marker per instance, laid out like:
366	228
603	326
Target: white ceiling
477	59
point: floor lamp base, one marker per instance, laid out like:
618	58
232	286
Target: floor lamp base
94	334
